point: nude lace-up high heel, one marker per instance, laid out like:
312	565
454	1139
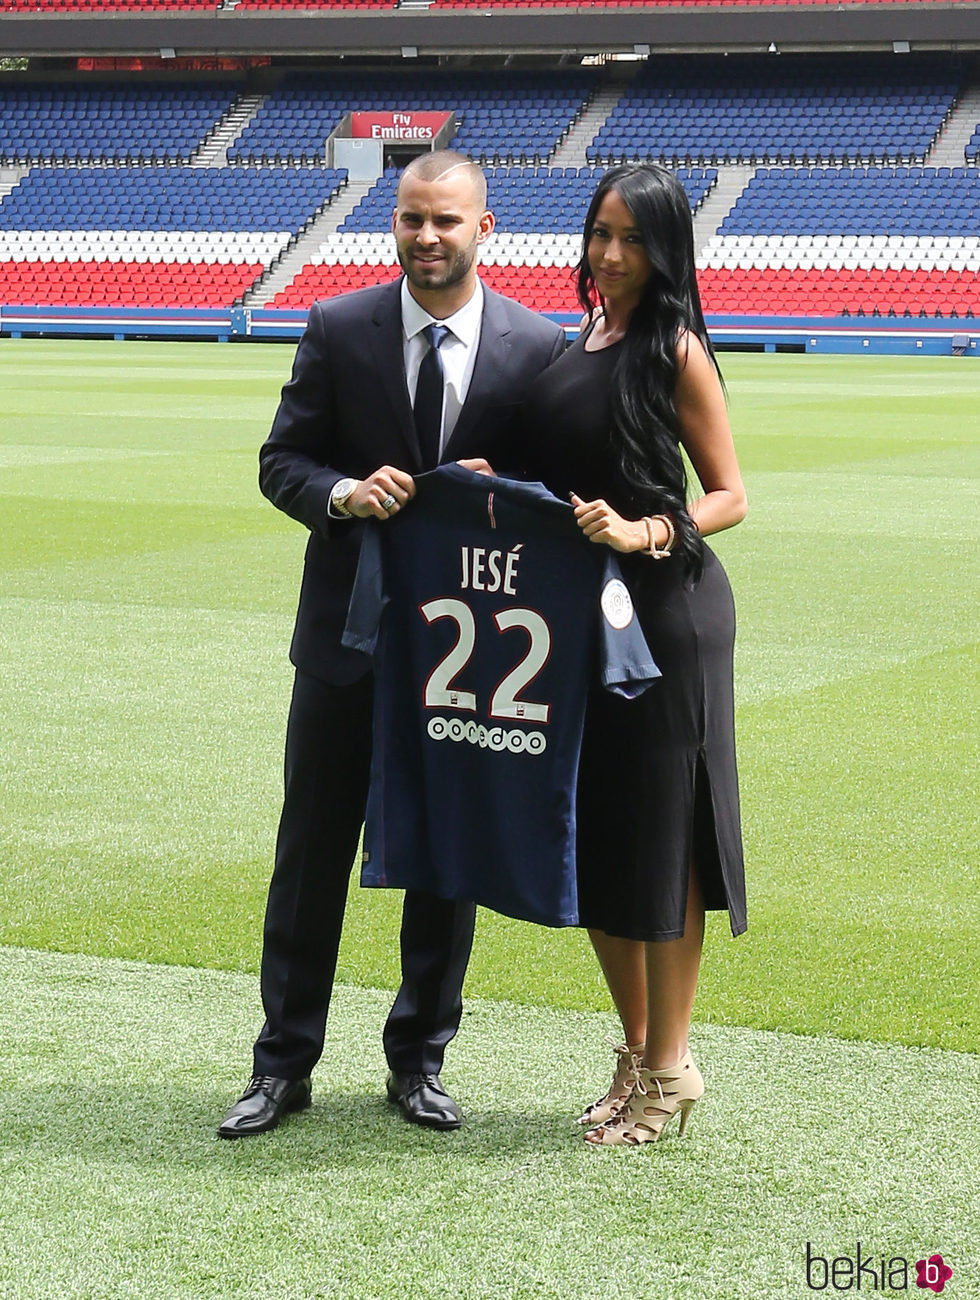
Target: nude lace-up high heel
656	1097
620	1088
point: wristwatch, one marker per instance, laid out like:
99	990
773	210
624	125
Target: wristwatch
341	491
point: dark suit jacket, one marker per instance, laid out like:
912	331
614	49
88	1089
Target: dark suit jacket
345	411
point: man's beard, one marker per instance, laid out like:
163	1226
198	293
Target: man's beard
441	275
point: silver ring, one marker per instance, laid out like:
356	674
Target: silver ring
388	502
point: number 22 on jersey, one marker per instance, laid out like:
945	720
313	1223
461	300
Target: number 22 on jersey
441	692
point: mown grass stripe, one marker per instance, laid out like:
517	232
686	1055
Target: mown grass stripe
115	1073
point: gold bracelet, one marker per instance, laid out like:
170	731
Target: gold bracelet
671	535
667	547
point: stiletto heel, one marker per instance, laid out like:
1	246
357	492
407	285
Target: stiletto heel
685	1116
620	1088
656	1097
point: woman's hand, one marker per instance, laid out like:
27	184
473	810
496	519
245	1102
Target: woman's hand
478	465
601	523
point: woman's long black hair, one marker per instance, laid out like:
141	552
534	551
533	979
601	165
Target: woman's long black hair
645	426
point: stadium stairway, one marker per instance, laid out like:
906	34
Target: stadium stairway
9	178
719	201
213	149
571	151
949	147
305	248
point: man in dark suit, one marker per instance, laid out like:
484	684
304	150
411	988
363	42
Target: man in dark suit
387	382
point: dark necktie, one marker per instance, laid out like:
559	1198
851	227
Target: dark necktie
429	397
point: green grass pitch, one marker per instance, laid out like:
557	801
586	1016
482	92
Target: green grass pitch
147	594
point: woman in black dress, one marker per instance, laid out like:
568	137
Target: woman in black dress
659	837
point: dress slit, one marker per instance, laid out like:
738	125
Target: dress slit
705	850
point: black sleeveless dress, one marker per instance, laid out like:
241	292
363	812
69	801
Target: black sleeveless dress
658	785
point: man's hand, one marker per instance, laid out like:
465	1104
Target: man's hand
382	494
478	465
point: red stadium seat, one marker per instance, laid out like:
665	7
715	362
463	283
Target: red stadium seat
772	292
88	284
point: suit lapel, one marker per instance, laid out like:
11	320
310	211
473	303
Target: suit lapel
488	372
387	345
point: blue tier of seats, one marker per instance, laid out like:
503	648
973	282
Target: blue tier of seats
148	122
523	198
518	115
915	201
798	110
169	198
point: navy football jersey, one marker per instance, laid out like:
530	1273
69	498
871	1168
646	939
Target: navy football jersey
488	615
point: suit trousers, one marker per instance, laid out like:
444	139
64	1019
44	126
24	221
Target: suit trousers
327	770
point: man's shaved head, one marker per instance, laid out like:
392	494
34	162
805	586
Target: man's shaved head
438	164
439	222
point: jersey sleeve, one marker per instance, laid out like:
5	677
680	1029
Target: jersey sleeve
367	597
626	665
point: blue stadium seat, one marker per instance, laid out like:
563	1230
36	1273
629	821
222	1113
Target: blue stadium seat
858	201
531	199
153	119
736	110
517	114
168	198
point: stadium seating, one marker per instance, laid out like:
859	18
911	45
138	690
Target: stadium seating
856	239
168	198
102	121
522	198
973	146
311	4
124	6
536	243
799	241
787	110
129	284
649	4
858	201
89	223
103	6
638	4
522	116
543	288
159	236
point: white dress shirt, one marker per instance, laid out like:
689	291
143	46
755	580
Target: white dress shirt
458	351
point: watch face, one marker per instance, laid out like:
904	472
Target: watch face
343	488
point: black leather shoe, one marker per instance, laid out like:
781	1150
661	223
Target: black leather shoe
422	1099
263	1104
